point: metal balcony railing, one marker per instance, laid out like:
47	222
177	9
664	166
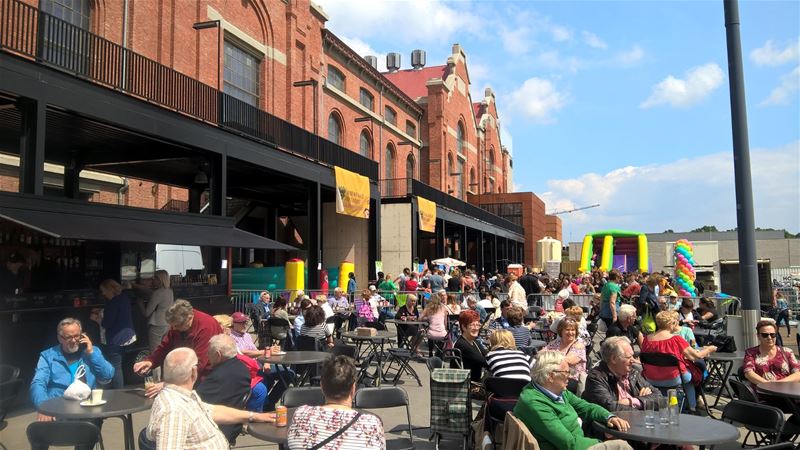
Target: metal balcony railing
406	187
28	32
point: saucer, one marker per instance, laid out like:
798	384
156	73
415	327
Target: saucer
89	403
278	353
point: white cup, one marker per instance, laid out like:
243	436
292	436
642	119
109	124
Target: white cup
97	395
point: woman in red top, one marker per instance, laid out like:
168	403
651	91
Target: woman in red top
664	341
412	283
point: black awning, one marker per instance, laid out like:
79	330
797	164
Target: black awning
71	219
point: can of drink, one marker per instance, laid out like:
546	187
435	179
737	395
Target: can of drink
281	416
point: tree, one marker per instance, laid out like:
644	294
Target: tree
705	229
669	231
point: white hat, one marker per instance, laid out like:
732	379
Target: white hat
563	294
372	287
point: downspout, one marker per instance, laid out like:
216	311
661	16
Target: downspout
122	191
380	132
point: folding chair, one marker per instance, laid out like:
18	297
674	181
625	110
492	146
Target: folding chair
78	434
667	360
279	331
311	396
434	362
453	356
743	391
403	356
764	422
503	394
387	397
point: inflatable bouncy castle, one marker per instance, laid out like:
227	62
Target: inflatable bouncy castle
623	250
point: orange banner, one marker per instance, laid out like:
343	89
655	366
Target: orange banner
352	193
427	215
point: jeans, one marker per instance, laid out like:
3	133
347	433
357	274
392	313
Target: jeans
257	397
276	388
783	316
113	354
688	387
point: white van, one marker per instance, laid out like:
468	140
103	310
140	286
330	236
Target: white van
178	259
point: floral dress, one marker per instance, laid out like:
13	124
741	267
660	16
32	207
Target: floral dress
778	367
577	349
313	424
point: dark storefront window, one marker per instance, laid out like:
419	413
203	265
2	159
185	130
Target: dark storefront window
509	211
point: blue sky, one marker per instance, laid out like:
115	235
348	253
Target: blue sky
625	104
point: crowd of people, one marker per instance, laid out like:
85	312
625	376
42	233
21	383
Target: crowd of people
211	383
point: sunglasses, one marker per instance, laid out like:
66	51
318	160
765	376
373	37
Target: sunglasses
767	335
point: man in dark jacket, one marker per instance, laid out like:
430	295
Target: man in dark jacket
530	283
228	382
616	384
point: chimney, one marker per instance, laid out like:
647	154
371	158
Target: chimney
393	62
372	61
418	59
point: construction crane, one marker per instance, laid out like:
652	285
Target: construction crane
555	213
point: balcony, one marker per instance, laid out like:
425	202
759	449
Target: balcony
406	187
27	32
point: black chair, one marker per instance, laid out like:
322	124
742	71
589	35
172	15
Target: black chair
331	325
743	391
781	446
434	362
308	371
387	397
340	348
764	422
78	434
311	396
10	384
279	330
667	360
453	356
144	442
402	358
502	396
535	311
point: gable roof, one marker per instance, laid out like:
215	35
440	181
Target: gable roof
412	82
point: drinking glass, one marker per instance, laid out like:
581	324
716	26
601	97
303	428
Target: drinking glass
650	414
663	411
674	407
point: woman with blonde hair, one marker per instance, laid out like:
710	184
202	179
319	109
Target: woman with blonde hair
436	315
452	305
505	360
160	301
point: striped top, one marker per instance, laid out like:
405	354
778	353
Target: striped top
510	364
522	335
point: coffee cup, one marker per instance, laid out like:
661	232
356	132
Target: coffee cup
97	395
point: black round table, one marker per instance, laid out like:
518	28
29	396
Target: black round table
720	366
693	430
376	344
119	403
294	358
267	431
779	389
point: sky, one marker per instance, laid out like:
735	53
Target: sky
625	104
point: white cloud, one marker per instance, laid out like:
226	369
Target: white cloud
537	99
634	55
364	49
479	75
592	40
790	83
699	82
517	41
654	198
770	56
433	21
560	33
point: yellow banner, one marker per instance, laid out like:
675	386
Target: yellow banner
427	215
352	193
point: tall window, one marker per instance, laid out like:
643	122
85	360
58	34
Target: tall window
366	99
390	115
388	167
450	171
460	179
336	78
491	185
460	144
410	166
66	46
365	144
241	74
472	183
334	129
490	169
411	129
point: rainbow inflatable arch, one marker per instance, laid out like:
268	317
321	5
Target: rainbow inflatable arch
624	250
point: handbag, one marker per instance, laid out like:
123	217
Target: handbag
724	344
337	434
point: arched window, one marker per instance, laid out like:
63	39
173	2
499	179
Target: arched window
334	129
335	78
460	144
365	145
410	166
491	161
388	167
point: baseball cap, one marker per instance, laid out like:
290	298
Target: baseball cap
238	317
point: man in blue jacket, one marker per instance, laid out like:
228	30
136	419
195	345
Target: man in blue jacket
58	364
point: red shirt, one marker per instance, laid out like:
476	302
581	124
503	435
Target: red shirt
203	328
672	346
411	285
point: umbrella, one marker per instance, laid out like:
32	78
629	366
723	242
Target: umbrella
451	262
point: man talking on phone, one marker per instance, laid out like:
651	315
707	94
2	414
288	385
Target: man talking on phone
58	364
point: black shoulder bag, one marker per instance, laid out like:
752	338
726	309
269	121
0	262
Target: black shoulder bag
337	434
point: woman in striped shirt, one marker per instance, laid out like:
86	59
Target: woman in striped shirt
505	360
